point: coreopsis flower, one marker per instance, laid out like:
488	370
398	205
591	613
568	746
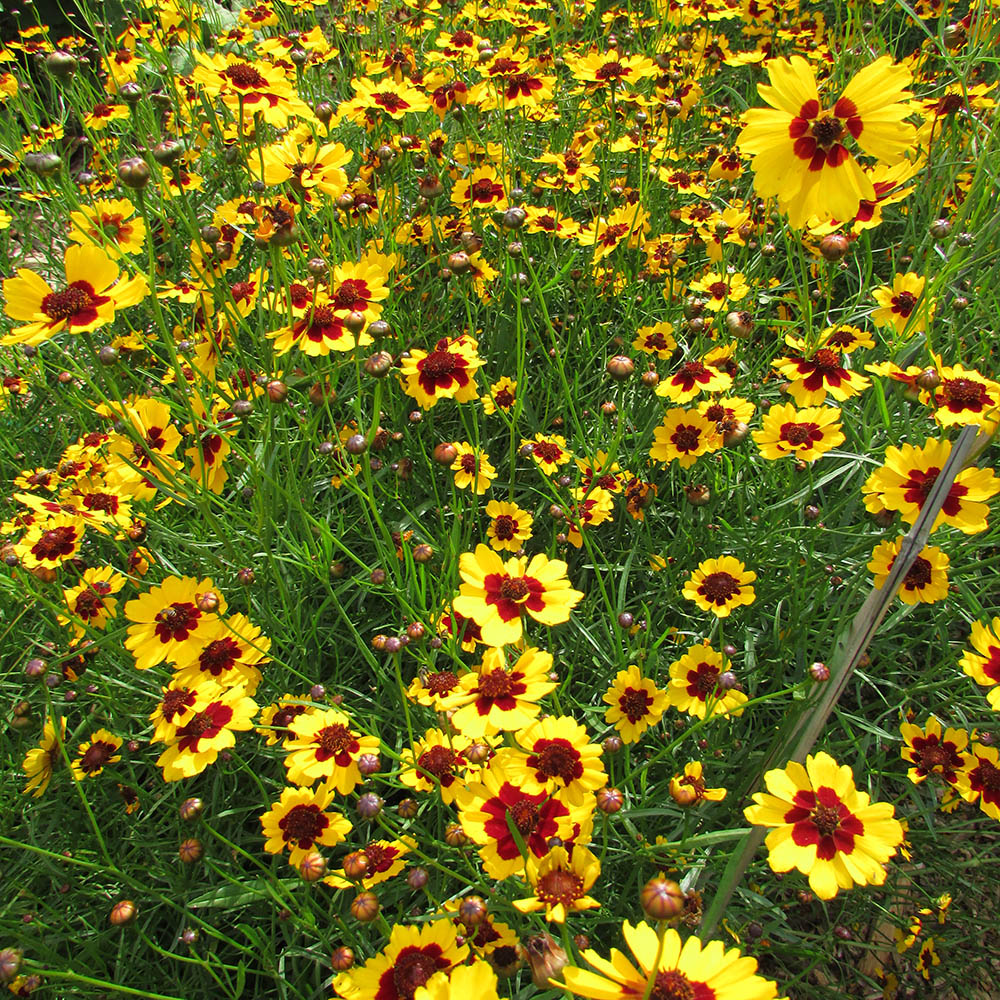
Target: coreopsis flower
979	780
684	436
611	69
509	527
91	757
92	293
898	303
720	289
560	881
636	704
983	665
323	747
932	751
139	459
300	820
385	860
676	968
178	703
571	170
695	687
548	451
383	97
233	653
798	146
627	224
965	396
432	688
602	472
110	225
299	160
318	330
689	788
925	582
721	585
277	717
90	603
249	88
490	807
495	594
412	956
825	827
198	740
512	82
555	755
41	762
49	543
927	958
483	188
472	468
906	479
502	396
461	983
447	372
811	379
657	339
807	433
592	507
170	617
692	379
436	760
493	698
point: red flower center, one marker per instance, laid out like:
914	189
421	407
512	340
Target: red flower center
335	741
177	621
827	131
55	544
613	234
718	588
919	574
674	985
469	463
547	451
439	762
496	684
505	527
218	656
411	970
205	725
245	77
798	435
686	437
390	101
703	681
964	392
903	303
559	887
524	815
441	683
514	588
302	825
352	294
96	756
612	71
78	298
439	367
987	778
176	700
504	399
556	759
635	703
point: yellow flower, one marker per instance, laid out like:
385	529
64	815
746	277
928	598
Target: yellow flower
92	756
898	305
932	751
110	225
561	881
464	982
299	822
472	468
510	526
447	372
721	585
322	746
437	761
689	788
41	761
684	436
502	396
807	433
925	582
825	827
636	704
696	688
983	665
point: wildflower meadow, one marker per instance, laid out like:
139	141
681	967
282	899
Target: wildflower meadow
498	499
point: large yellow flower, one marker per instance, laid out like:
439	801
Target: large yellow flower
91	294
673	969
721	585
110	225
495	594
807	433
695	685
926	581
798	146
447	372
40	762
561	880
324	747
824	826
684	435
299	821
898	303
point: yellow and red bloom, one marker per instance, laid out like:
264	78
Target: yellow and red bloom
490	807
798	146
42	761
927	958
560	881
233	653
431	689
932	751
384	861
89	299
980	779
318	330
898	305
675	968
684	436
811	379
509	527
721	289
472	468
110	225
91	757
248	88
593	506
692	379
657	339
502	396
824	827
906	479
965	397
807	433
547	451
324	747
300	821
48	544
447	372
170	617
277	717
721	585
983	665
305	165
495	594
636	704
555	755
689	788
89	604
925	582
385	97
436	761
461	982
695	685
199	739
493	698
410	959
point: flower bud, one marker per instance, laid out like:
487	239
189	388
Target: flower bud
191	809
356	865
369	805
662	898
342	959
545	957
134	173
609	800
620	367
168	152
122	912
190	850
834	246
819	672
43	164
365	907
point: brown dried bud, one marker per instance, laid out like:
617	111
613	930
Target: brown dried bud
928	379
740	324
378	364
423	553
650	379
697	494
208	603
134	173
819	672
545	957
417	878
